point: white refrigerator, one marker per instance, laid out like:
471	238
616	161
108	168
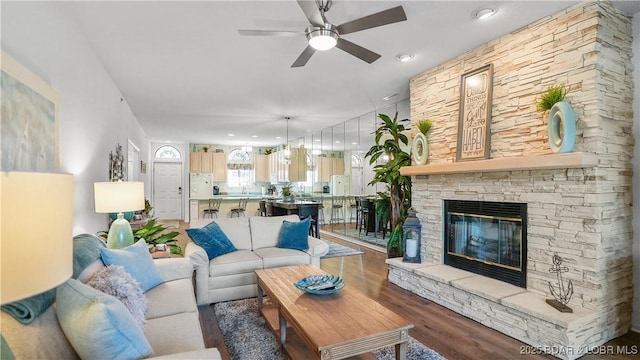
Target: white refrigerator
340	185
200	186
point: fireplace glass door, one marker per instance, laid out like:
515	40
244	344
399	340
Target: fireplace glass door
486	238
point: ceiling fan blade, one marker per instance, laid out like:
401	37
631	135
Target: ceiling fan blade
244	32
311	11
385	17
357	51
304	57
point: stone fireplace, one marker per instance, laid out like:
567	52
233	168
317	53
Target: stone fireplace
578	205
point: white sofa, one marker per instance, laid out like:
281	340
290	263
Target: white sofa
172	328
232	276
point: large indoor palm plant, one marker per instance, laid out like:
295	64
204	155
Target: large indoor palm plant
389	139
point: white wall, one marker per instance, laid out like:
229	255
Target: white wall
93	119
635	322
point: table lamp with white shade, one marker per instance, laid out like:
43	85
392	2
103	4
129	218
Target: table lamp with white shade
36	242
119	197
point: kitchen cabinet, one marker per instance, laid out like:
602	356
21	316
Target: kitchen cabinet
297	169
219	167
209	163
327	166
294	170
206	162
195	161
261	167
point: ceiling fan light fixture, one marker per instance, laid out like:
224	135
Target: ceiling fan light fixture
322	38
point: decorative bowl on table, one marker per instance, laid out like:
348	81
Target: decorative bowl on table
320	284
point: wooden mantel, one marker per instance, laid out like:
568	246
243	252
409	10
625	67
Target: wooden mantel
538	162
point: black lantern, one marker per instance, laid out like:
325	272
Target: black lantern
412	235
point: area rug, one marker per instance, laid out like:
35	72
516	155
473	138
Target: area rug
248	337
336	250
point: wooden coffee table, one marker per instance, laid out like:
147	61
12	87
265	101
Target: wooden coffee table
334	326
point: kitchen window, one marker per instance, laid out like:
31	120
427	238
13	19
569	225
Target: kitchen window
240	173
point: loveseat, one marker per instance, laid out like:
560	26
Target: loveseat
172	327
232	276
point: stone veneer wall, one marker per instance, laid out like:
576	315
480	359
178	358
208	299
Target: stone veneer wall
582	214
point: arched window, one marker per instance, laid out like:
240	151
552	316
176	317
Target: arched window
167	152
239	169
356	161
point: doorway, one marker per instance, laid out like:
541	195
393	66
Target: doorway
167	193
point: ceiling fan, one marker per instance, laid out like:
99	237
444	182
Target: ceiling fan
322	35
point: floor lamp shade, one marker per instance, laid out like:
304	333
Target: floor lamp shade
36	243
118	197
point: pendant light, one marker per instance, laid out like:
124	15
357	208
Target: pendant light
287	151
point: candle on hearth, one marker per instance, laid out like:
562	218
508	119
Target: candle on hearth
412	247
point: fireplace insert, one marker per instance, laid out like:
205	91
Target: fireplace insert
487	238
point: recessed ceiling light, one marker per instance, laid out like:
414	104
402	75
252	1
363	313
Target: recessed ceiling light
404	57
387	98
354	143
316	140
337	141
278	137
484	13
254	136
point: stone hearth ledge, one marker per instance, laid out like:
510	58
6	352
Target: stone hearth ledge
507	308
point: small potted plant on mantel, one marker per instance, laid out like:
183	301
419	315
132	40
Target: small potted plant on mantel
561	124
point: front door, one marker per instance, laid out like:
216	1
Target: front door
167	185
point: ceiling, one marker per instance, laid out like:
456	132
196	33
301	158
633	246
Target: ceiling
189	76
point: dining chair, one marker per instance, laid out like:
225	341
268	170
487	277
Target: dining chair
213	209
269	208
307	210
240	209
363	209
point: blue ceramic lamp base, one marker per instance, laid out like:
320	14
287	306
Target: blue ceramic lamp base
120	233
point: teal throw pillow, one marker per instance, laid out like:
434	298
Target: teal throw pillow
212	239
98	325
137	261
295	235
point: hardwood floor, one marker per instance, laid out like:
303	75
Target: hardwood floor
450	334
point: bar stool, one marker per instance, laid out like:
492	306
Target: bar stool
242	206
337	209
353	209
305	211
263	207
214	208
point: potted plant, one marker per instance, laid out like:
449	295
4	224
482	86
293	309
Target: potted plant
146	212
286	193
420	148
154	234
561	124
205	148
389	137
